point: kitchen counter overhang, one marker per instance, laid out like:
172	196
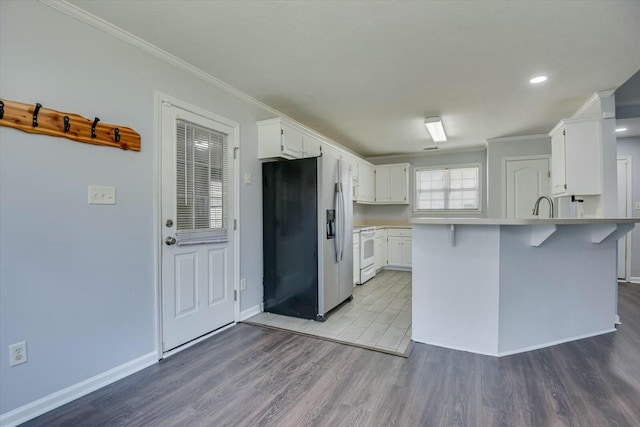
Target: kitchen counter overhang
504	286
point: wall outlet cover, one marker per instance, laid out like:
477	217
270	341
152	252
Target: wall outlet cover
18	353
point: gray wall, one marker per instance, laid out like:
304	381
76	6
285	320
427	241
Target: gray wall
497	150
631	147
402	212
77	281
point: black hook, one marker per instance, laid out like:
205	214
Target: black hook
93	127
35	114
1	109
67	125
116	134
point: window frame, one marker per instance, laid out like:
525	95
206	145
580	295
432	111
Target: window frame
418	169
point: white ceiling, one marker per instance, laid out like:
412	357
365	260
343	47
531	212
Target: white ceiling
367	73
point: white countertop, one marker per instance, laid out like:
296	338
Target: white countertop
512	221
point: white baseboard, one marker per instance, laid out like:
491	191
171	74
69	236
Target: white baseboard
552	343
396	268
66	395
520	350
634	280
250	312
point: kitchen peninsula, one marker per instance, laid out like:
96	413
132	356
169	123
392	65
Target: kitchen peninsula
504	286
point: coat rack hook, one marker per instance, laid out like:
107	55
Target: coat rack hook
116	134
35	114
1	110
67	125
93	127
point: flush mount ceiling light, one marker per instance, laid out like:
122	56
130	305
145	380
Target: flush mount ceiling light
538	79
621	129
436	129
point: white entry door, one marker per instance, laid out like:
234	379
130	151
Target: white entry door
624	210
197	226
526	180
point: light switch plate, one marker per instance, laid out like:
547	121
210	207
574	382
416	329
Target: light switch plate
100	195
247	178
638	206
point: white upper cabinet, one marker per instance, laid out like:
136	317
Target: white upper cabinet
311	146
576	161
279	138
366	182
392	183
352	161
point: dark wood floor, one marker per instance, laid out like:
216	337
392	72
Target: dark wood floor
250	376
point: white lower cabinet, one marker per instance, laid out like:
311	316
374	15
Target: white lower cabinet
399	247
356	258
380	249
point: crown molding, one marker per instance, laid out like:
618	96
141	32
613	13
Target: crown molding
518	138
107	27
133	40
596	97
441	151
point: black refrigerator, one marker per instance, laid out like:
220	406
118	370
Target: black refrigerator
307	236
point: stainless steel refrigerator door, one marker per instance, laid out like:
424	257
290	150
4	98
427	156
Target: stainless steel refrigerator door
345	267
336	277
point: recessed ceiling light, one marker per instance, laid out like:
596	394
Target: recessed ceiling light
538	79
621	129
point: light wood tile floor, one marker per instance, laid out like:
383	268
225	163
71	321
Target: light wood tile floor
379	316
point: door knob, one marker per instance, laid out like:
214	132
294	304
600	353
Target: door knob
170	241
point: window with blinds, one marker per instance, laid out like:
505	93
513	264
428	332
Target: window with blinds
201	184
448	188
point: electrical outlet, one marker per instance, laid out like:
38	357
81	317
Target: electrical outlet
102	195
243	284
18	353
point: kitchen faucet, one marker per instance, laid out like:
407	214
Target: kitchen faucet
536	207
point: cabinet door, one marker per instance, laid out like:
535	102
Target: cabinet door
398	184
291	142
353	162
377	251
406	251
382	184
310	146
394	250
365	182
356	259
558	165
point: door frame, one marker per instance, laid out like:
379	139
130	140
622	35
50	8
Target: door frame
159	99
629	211
504	175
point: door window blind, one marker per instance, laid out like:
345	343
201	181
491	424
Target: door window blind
201	184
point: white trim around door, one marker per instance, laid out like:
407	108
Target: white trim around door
160	99
505	160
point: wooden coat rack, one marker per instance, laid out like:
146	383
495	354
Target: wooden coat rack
35	119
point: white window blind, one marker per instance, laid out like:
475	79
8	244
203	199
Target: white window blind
201	184
448	188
